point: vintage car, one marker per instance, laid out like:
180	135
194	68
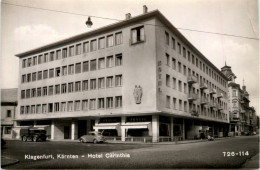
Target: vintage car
92	136
33	134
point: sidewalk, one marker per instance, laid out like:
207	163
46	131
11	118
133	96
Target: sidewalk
5	161
252	163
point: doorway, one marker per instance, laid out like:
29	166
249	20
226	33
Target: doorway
67	132
82	128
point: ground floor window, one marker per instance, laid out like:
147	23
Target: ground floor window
177	130
8	130
108	132
137	132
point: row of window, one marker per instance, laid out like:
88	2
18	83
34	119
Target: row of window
76	49
77	105
85	66
192	59
100	83
191	107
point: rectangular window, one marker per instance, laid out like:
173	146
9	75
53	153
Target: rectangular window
93	45
101	103
39	91
167	59
34	76
24	63
119	60
56	107
101	83
174	63
39	59
58	54
34	60
234	93
63	106
167	38
92	84
101	63
44	108
109	61
78	49
179	48
8	130
184	70
185	106
174	103
64	53
119	101
85	85
119	81
77	86
29	62
168	103
28	93
71	51
119	38
64	70
184	52
78	68
70	106
168	80
52	56
189	56
39	75
77	105
71	69
45	58
101	43
28	77
84	104
22	110
174	83
33	92
137	35
51	73
85	66
45	74
109	81
50	108
85	47
93	65
57	72
92	104
50	90
179	66
109	102
24	78
70	87
57	89
38	108
27	110
44	91
173	43
185	88
193	61
180	85
180	104
23	94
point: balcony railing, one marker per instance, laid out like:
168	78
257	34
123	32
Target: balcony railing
212	91
213	105
220	95
194	112
192	79
192	96
203	101
219	107
203	85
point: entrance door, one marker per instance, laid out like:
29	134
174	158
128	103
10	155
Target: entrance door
82	128
67	132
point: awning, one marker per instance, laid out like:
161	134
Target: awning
106	126
137	125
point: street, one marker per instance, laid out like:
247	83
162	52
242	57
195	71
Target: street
87	155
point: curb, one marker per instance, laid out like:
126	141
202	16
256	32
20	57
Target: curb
12	161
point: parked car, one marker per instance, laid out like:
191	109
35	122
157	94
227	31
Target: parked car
92	136
33	134
2	142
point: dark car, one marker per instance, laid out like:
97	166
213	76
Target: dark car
92	136
34	135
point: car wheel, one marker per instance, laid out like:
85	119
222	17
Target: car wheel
24	138
94	141
34	139
81	141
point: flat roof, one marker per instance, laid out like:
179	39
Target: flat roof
154	13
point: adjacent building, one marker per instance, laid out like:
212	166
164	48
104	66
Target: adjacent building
138	79
8	111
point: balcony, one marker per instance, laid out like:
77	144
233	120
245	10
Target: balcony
220	95
219	107
212	105
192	97
203	101
192	79
203	85
194	112
212	91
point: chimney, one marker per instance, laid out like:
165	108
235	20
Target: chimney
145	9
127	16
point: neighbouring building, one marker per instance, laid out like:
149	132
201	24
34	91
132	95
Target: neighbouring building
138	79
8	111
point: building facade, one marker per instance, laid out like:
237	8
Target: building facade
8	111
139	79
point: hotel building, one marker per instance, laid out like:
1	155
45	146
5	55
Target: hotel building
138	79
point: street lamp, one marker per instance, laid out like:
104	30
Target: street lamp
89	22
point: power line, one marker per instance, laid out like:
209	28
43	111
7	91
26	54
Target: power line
186	29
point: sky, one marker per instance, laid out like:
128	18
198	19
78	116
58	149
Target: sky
27	28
